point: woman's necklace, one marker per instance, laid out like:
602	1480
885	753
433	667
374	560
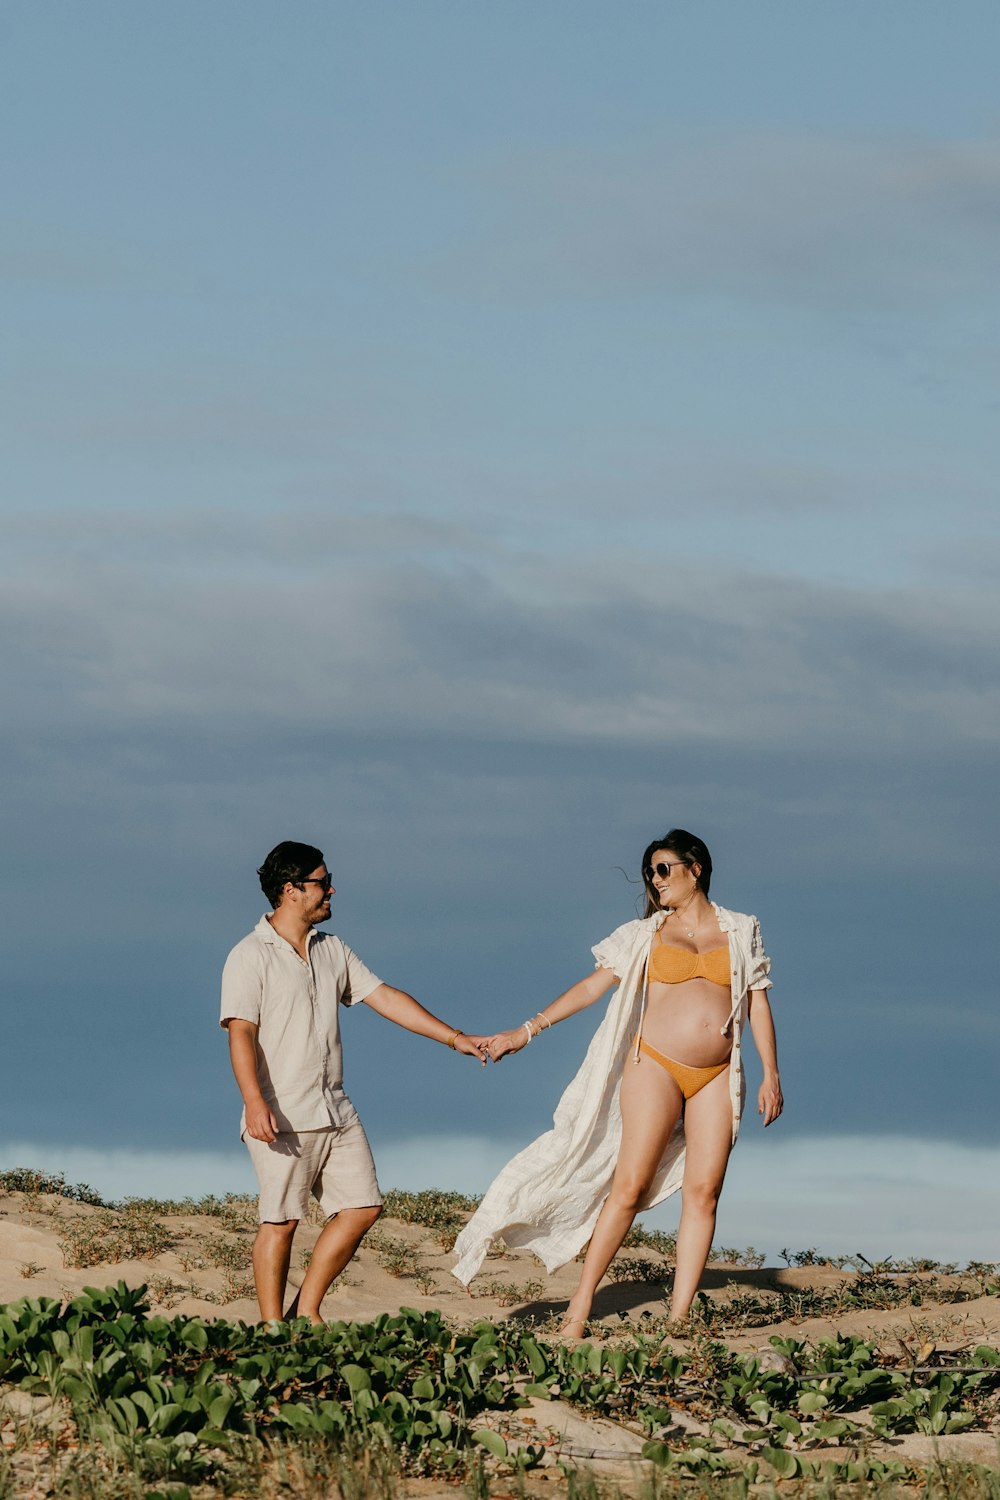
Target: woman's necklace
675	911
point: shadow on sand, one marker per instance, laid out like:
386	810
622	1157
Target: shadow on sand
621	1299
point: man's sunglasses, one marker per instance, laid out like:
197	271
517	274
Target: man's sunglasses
326	881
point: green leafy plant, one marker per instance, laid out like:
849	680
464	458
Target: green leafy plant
227	1253
640	1238
508	1293
729	1256
108	1236
814	1257
442	1212
638	1268
176	1399
33	1182
393	1255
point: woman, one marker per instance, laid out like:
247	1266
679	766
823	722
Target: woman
656	1104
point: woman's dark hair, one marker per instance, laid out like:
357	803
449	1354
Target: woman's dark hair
287	861
690	850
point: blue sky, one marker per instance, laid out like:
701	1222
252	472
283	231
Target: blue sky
475	439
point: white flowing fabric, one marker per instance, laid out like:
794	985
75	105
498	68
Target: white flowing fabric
548	1197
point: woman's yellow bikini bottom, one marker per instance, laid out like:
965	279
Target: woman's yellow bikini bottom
688	1080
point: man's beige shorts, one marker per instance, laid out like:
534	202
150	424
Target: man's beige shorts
334	1165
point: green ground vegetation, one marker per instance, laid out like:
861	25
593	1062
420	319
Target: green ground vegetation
185	1401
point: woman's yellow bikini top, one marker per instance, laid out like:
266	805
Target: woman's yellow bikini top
673	965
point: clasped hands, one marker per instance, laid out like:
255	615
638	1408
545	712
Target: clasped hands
492	1048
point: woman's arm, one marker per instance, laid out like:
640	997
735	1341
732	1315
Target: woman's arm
769	1098
585	992
397	1005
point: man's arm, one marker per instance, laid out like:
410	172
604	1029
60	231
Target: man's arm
397	1005
261	1123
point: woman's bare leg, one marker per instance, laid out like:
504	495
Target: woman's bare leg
651	1105
708	1127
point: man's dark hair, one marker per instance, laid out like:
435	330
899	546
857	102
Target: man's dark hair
286	862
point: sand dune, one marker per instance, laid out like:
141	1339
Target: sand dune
203	1269
197	1263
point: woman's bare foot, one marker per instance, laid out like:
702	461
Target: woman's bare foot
681	1313
574	1324
678	1328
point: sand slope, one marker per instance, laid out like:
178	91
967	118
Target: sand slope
202	1270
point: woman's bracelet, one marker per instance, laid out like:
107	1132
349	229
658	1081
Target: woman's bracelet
451	1040
538	1016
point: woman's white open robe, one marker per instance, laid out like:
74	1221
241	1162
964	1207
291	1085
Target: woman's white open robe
548	1197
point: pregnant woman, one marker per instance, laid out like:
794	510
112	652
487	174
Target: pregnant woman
656	1104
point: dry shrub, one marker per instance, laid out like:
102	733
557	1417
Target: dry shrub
108	1237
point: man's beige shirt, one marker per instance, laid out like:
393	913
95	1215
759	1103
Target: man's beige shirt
295	1003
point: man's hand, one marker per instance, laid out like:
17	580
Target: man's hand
261	1123
473	1046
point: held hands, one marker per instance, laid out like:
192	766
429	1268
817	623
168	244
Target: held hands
491	1048
495	1047
507	1041
473	1046
769	1099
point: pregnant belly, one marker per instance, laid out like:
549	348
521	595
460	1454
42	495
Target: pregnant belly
685	1022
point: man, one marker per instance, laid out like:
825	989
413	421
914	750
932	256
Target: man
282	989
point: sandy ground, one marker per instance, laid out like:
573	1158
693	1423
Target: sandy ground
185	1278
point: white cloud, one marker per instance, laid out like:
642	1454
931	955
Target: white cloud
823	221
511	647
